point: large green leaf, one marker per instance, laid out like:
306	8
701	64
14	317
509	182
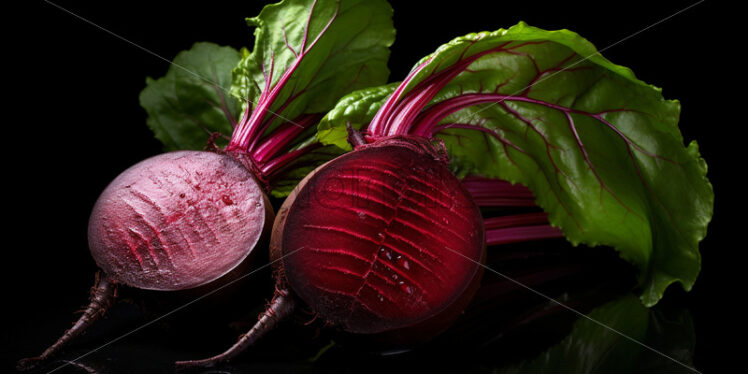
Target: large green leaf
192	100
600	149
344	46
307	54
598	344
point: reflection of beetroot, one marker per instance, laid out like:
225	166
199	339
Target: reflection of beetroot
383	239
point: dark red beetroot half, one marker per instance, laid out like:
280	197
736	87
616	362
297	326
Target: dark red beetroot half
381	238
177	220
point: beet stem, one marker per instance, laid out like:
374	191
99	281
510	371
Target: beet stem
282	306
354	137
488	192
521	234
270	169
103	294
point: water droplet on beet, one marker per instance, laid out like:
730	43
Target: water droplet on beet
406	288
388	254
380	235
381	249
394	276
361	215
405	264
380	297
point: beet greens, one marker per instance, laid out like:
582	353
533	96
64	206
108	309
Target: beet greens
385	226
599	149
525	105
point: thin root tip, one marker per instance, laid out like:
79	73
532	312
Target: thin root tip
27	364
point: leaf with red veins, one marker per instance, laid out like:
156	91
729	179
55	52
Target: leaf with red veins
612	167
599	149
307	54
319	51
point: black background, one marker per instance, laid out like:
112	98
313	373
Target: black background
82	125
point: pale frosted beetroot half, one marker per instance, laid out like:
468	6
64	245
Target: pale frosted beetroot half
382	238
177	220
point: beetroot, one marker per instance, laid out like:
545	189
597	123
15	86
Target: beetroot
184	219
177	220
380	233
382	240
171	222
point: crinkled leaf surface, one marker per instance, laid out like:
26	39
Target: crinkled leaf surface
192	100
308	54
356	108
344	45
600	149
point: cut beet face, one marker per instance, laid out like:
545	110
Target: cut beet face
177	220
381	238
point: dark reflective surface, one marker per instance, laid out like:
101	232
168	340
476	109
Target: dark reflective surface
83	126
504	318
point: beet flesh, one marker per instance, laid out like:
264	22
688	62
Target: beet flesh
380	239
177	220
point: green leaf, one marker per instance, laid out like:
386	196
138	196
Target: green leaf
192	100
593	347
307	54
356	108
344	46
600	149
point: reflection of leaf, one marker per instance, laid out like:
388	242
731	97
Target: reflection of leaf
321	352
592	348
